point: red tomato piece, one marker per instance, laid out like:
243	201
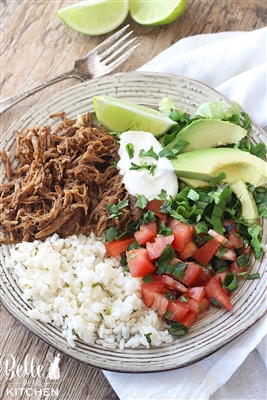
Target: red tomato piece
116	247
173	284
148	291
206	252
204	305
192	304
196	292
178	309
204	277
214	289
156	248
156	277
139	263
155	205
160	304
234	268
183	233
189	319
192	274
188	250
235	238
220	277
146	233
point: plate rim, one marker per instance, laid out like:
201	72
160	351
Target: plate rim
123	75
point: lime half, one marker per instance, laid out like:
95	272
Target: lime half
95	17
121	115
156	12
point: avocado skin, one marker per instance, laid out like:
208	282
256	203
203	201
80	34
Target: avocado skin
195	182
206	133
205	164
249	208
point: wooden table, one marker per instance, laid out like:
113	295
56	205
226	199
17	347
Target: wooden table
36	46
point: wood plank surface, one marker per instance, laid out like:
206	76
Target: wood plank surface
36	46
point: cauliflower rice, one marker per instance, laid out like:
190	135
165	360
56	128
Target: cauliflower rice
73	284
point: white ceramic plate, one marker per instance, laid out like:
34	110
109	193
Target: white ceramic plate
207	335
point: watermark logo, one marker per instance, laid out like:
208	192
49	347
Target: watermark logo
53	372
17	376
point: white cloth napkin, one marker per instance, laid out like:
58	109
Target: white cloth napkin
234	63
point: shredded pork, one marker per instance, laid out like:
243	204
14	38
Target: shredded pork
62	183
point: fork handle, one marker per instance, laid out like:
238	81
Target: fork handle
9	102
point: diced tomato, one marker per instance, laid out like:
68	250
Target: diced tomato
220	238
235	238
196	292
116	247
139	263
156	248
148	291
220	277
155	205
205	253
183	233
189	319
204	305
192	274
173	284
156	278
146	233
206	274
178	309
214	289
160	304
188	250
234	268
192	304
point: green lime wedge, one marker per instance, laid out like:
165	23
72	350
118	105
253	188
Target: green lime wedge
158	12
121	115
95	17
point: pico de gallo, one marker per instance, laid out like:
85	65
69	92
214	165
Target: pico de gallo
186	266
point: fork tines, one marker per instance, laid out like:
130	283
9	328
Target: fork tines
117	48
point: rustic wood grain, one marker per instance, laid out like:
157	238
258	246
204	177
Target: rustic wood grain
36	46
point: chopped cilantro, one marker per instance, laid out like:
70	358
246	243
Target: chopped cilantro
144	166
130	150
141	201
149	153
114	210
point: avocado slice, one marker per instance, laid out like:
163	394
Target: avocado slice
249	208
205	164
195	182
206	133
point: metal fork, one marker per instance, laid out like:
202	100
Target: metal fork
100	61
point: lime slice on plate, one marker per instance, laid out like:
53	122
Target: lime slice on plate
95	17
156	12
121	115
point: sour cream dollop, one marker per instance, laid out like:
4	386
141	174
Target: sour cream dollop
143	182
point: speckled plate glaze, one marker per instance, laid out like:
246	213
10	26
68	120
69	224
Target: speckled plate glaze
207	335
